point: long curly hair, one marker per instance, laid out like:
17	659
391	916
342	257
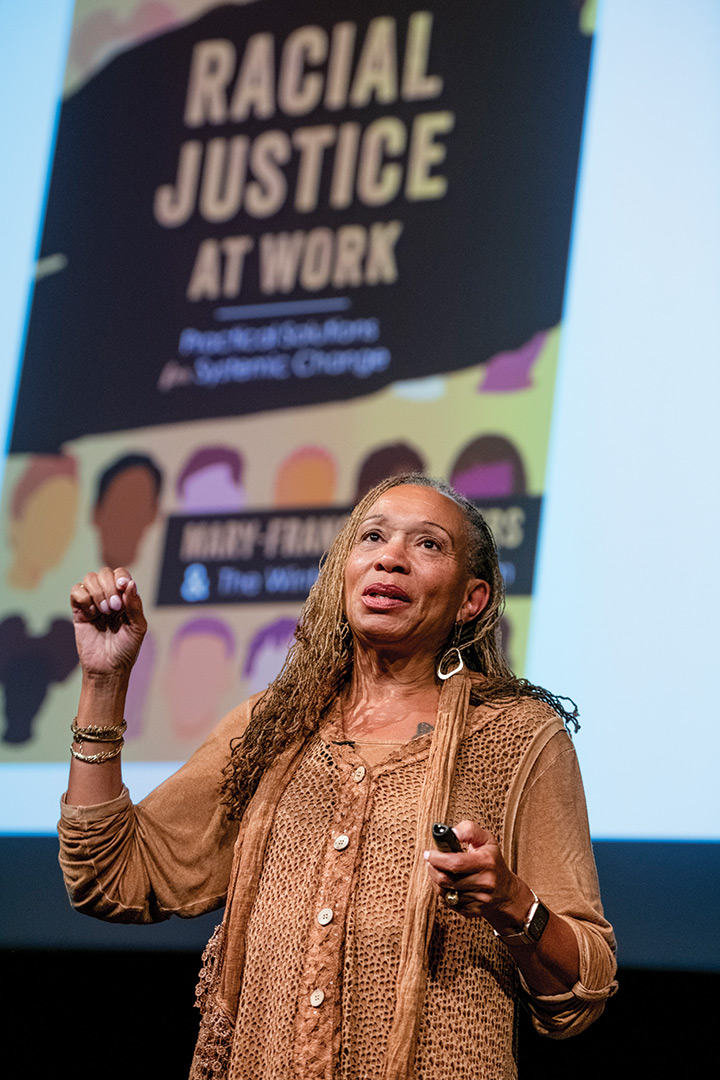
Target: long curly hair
320	661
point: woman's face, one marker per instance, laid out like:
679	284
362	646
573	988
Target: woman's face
407	579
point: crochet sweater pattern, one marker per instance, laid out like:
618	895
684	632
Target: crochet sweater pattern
299	981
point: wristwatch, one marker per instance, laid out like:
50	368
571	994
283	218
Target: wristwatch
532	930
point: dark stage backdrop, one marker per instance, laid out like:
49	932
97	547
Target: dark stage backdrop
658	1025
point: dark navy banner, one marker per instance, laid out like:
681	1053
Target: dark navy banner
282	204
273	556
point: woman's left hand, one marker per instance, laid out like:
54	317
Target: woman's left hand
484	883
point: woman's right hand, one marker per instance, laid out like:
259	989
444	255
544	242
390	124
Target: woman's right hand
109	622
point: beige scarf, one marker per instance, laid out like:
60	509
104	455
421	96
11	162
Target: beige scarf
224	959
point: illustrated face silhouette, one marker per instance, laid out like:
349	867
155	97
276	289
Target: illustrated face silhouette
267	653
489	467
127	508
212	489
306	478
198	676
267	664
493	480
29	665
390	460
42	531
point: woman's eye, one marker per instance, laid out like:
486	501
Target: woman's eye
429	543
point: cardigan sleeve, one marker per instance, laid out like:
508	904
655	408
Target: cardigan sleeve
170	854
553	855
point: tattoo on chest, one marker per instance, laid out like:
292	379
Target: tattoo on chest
423	729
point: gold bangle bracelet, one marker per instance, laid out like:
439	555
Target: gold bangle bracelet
97	732
97	759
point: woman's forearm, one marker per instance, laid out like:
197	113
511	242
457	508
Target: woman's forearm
102	704
550	965
109	628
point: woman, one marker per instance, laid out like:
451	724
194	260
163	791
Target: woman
350	947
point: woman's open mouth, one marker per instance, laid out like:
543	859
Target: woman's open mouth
383	597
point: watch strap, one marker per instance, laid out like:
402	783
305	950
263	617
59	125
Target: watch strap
533	925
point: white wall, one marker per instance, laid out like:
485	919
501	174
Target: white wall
629	590
33	45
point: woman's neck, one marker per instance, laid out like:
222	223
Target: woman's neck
392	702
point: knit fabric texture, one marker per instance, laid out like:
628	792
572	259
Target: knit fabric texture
323	880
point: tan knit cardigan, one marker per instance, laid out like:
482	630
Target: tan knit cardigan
300	979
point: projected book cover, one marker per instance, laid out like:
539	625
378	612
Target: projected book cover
288	250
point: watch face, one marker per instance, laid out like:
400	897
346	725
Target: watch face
538	922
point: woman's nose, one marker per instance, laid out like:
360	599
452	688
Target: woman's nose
392	557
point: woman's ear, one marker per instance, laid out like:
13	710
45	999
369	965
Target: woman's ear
476	600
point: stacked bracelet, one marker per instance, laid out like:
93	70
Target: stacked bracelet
100	734
96	759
